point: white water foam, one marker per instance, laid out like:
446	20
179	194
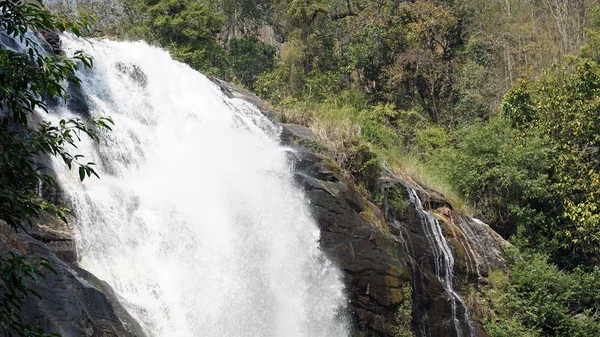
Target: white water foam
443	264
196	222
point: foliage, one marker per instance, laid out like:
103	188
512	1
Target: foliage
29	78
564	105
537	299
187	29
404	314
364	165
432	32
501	174
249	58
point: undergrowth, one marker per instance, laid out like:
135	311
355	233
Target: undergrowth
366	140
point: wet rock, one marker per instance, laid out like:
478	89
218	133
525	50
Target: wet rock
50	40
374	266
475	247
74	302
291	133
134	72
58	236
77	101
233	91
7	42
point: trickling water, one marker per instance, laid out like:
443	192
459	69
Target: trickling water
443	263
196	222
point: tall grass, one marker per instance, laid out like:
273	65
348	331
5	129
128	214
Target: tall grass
388	132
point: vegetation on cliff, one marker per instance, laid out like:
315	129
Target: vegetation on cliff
494	103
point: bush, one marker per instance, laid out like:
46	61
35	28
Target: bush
249	58
364	165
541	300
563	105
502	174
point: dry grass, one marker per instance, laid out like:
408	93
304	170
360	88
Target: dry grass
337	138
333	127
410	169
300	116
337	131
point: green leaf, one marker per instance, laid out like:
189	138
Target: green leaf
81	173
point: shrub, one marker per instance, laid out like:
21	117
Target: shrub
541	300
249	58
502	174
364	165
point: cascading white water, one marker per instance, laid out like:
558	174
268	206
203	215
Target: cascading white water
443	263
196	222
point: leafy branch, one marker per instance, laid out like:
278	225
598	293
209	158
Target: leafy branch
29	77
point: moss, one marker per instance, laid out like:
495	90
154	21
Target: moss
403	314
350	249
369	215
398	200
401	273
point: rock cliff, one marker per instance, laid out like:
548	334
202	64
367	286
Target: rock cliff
381	241
74	302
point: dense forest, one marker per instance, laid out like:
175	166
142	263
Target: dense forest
495	103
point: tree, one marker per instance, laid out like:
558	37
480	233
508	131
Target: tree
28	79
249	58
433	32
187	29
563	104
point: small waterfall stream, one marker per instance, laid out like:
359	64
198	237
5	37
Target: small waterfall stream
444	265
196	221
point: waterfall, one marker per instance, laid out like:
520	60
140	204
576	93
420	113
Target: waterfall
195	222
443	265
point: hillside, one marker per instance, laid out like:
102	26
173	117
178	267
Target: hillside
411	126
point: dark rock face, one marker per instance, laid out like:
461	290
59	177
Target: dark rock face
382	248
7	41
74	302
374	265
76	100
57	235
51	41
293	132
475	247
378	261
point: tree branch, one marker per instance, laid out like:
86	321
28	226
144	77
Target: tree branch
331	17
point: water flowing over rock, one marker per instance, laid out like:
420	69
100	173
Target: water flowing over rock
385	245
74	302
196	222
211	219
